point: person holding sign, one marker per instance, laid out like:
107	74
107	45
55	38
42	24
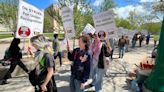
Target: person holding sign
80	68
100	53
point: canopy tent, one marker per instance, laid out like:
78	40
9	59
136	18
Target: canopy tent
155	82
41	4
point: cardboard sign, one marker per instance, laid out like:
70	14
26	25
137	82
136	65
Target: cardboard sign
104	22
89	29
30	20
68	21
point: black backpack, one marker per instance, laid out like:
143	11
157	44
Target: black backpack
37	79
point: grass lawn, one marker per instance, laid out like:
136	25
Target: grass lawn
50	35
2	36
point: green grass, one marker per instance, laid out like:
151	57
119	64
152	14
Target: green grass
2	36
50	35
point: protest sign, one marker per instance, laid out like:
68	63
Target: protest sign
68	21
104	22
30	20
89	29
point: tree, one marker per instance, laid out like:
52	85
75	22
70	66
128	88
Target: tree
159	6
107	4
82	13
8	13
120	22
48	25
152	27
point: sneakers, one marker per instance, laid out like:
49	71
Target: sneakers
4	82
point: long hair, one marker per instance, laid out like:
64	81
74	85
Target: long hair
42	44
14	44
86	41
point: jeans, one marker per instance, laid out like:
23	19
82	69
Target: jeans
121	52
60	57
126	47
99	79
93	75
14	63
77	86
133	44
72	85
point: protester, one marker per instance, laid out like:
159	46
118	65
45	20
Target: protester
16	55
111	41
147	39
80	68
141	38
45	64
56	48
99	52
127	44
134	40
156	38
121	45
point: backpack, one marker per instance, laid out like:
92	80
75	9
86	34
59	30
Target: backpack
7	57
37	79
7	54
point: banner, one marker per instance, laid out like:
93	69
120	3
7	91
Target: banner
104	23
68	21
30	20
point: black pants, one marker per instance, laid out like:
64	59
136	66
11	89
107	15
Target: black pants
140	43
111	54
14	63
51	86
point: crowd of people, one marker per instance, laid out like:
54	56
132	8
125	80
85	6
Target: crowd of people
89	60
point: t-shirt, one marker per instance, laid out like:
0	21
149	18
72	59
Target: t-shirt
49	61
122	42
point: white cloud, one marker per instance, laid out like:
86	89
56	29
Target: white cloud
97	2
142	1
123	12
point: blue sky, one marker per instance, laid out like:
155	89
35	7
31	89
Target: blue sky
44	4
123	7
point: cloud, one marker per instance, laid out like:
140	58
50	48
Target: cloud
143	1
123	12
97	2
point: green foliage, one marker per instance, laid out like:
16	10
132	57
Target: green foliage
82	14
120	22
8	12
107	4
152	27
48	26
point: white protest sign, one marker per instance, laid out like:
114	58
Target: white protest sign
89	29
30	20
104	22
68	22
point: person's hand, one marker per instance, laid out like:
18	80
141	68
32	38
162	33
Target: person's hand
43	87
82	86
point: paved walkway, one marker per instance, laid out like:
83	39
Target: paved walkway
114	80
